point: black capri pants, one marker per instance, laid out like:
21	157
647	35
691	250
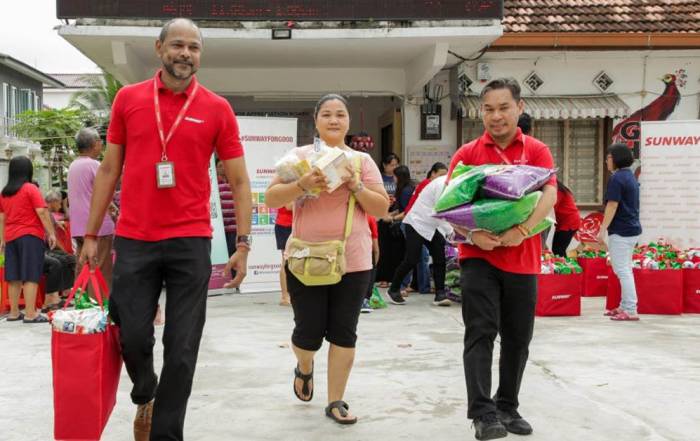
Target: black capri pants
329	312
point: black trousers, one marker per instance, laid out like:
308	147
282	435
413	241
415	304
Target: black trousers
184	265
414	244
59	268
561	242
391	250
495	302
329	311
370	285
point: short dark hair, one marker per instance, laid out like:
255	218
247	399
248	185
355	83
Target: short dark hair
166	28
525	123
86	138
329	97
435	168
390	157
509	83
621	155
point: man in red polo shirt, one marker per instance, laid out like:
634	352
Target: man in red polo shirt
499	282
161	137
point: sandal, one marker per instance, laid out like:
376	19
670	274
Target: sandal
342	408
624	316
306	378
612	312
38	319
52	307
16	319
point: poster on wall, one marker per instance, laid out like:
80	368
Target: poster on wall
420	159
265	141
669	182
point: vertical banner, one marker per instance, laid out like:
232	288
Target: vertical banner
265	140
669	182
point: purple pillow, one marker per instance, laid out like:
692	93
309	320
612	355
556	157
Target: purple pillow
516	181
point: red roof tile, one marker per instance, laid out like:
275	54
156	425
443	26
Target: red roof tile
601	16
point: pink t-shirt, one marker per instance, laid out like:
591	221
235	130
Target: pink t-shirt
81	177
322	219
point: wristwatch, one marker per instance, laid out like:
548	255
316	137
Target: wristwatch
244	241
359	188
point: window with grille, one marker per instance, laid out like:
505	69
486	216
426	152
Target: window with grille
577	150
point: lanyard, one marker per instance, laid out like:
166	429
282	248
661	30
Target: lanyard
505	158
159	120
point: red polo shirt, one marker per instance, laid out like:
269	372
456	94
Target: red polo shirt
524	259
566	212
147	212
284	217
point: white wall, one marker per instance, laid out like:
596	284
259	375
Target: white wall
412	118
636	74
58	98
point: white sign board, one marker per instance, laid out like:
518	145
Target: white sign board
265	141
420	159
670	182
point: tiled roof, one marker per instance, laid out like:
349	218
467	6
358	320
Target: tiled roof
78	81
601	16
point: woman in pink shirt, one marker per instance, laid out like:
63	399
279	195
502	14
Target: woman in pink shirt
331	311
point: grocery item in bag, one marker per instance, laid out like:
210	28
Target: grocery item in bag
462	188
515	181
494	215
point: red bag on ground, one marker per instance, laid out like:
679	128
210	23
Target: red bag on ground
595	276
559	294
658	291
691	291
86	370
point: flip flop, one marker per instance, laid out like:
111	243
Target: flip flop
38	319
342	408
16	319
306	379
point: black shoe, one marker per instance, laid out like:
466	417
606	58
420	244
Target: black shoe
441	299
396	298
489	427
513	422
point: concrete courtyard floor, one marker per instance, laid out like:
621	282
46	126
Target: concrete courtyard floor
588	378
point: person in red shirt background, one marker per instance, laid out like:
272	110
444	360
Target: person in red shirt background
283	229
499	272
161	137
23	219
568	219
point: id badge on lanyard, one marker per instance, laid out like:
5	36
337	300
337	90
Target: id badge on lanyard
505	159
165	169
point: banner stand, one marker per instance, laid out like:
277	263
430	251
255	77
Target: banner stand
266	140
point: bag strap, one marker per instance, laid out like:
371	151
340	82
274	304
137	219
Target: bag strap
351	201
86	277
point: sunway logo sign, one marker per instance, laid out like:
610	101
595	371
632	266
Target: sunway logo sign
561	297
671	141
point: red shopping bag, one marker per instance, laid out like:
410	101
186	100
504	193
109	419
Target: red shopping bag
559	294
658	291
595	276
86	370
691	291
